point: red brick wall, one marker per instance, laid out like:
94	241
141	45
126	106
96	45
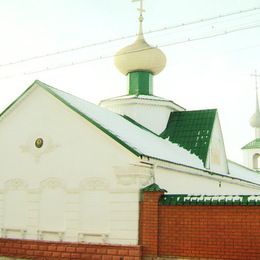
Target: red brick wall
212	232
148	231
58	250
221	232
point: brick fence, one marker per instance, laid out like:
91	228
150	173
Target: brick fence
30	249
199	232
167	231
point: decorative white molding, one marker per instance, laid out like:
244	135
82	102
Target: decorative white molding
51	183
82	236
94	183
5	231
59	234
30	148
15	184
133	175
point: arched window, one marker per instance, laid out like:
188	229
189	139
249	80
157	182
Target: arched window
256	161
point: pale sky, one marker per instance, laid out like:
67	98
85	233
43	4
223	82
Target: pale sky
209	73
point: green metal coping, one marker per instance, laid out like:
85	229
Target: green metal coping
140	83
153	187
252	145
191	130
209	200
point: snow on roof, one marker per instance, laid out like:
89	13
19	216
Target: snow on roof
241	172
141	97
138	139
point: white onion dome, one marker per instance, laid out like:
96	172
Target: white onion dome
255	120
140	56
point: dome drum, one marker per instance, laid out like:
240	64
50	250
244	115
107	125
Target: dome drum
140	83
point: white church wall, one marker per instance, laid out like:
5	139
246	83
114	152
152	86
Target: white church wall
153	115
123	218
15	190
251	158
94	208
217	160
52	209
179	182
73	151
124	201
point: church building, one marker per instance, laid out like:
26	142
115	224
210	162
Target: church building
73	174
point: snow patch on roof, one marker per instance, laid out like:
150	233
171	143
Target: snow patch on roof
141	140
241	172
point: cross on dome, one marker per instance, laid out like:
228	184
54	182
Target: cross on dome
256	76
140	56
141	9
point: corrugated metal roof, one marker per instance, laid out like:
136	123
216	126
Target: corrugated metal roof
221	200
191	130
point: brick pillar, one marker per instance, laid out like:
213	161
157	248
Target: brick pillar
149	221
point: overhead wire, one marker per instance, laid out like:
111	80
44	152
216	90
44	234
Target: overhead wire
199	21
145	49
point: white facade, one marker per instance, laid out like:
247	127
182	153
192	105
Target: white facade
217	159
82	184
68	189
251	151
252	158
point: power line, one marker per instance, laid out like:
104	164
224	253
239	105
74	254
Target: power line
129	36
145	49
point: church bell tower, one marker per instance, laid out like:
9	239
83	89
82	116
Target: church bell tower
251	151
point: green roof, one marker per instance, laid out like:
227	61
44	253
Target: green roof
191	130
252	145
214	200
